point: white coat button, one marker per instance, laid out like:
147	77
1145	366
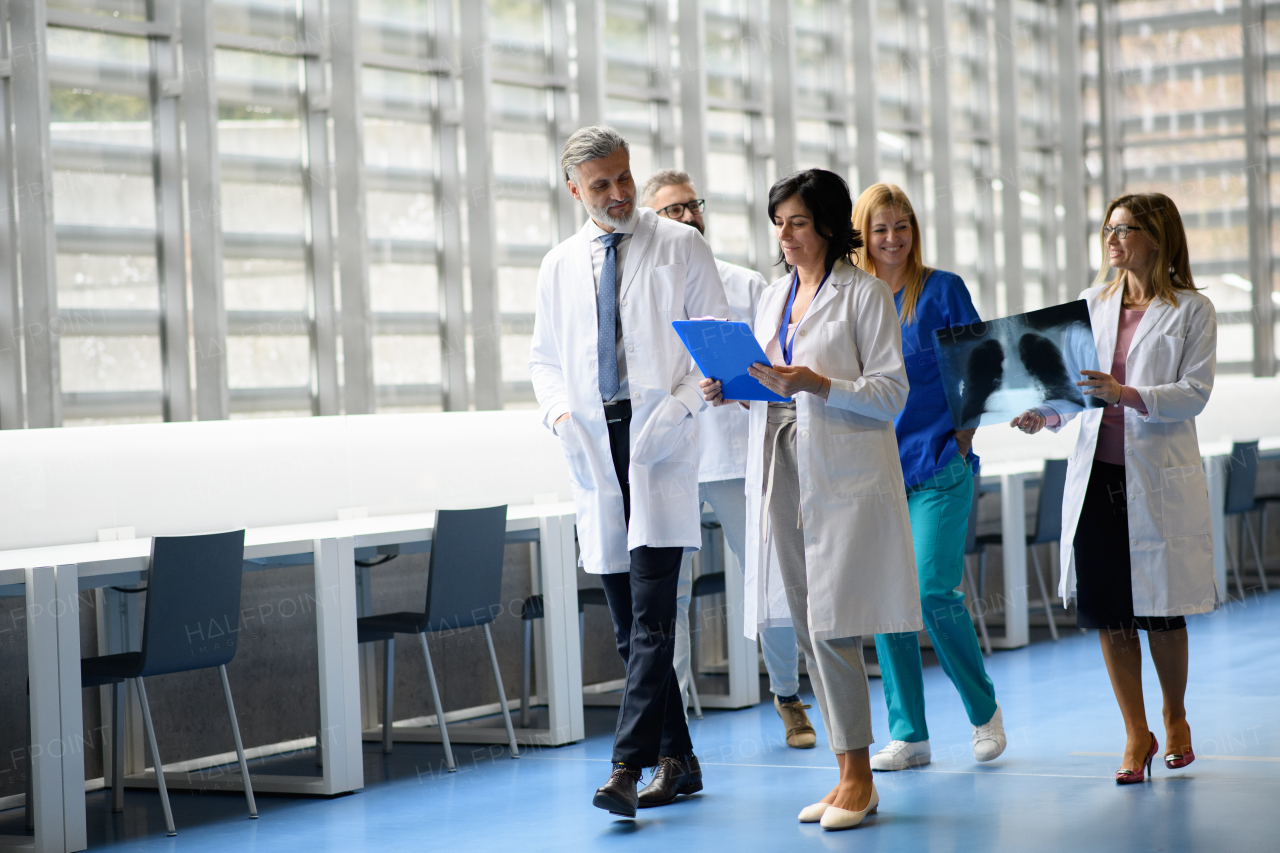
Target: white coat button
631	349
624	302
809	486
802	333
1133	541
805	434
635	396
813	540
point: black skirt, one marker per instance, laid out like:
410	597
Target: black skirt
1104	582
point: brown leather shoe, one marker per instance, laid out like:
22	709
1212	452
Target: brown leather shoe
618	795
800	733
673	777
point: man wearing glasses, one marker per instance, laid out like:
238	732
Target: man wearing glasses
722	468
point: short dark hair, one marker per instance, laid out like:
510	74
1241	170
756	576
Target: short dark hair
826	195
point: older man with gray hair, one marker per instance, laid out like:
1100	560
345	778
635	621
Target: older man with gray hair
620	391
722	471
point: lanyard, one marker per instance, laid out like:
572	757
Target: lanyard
786	314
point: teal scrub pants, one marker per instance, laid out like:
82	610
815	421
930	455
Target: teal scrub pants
939	510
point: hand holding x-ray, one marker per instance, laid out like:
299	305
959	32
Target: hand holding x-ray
998	370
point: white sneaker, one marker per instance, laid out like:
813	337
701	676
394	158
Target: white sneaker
988	739
899	755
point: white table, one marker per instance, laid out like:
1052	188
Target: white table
288	482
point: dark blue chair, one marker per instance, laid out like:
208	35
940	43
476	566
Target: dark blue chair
191	621
1242	483
464	590
1048	529
533	608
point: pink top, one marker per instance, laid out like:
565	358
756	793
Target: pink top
1110	447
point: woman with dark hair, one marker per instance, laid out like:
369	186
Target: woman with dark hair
1137	548
828	535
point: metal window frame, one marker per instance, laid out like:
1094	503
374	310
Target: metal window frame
482	236
1071	141
37	240
204	201
866	107
1008	120
315	102
12	401
940	150
1258	179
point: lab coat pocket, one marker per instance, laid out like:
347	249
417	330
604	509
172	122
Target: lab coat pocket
666	288
662	432
852	464
1166	359
575	453
837	353
1184	499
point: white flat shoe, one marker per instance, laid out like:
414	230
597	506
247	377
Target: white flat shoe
989	739
813	813
834	818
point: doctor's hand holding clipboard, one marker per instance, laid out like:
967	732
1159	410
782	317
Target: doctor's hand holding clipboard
783	380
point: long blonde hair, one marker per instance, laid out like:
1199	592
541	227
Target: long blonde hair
1158	217
874	199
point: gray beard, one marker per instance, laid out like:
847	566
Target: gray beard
602	216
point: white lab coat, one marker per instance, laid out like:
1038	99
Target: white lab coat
1171	363
723	430
669	274
859	558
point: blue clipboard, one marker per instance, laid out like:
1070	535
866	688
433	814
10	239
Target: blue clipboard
723	350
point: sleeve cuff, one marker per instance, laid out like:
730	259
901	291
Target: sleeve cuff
1051	417
553	414
690	398
1130	398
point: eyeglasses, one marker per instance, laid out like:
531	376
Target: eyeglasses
675	211
1121	231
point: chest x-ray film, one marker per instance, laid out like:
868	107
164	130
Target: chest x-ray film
996	370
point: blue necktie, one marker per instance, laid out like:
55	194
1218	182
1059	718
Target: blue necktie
607	318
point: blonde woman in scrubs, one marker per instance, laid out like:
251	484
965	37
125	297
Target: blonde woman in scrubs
938	464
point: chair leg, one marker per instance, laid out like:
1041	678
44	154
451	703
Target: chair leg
502	692
982	593
695	615
319	737
155	756
526	662
388	692
1044	594
435	701
977	609
1257	554
235	729
119	692
1235	559
29	799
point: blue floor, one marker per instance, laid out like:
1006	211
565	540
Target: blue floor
1052	790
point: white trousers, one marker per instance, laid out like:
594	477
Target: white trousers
728	500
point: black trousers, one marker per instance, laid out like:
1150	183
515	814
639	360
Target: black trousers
642	603
1104	576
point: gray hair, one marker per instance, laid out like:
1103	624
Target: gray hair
589	143
664	178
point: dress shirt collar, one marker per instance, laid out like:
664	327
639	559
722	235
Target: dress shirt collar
595	232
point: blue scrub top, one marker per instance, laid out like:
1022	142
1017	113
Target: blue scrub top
926	438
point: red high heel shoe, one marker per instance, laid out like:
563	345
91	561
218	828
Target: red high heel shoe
1132	777
1173	760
